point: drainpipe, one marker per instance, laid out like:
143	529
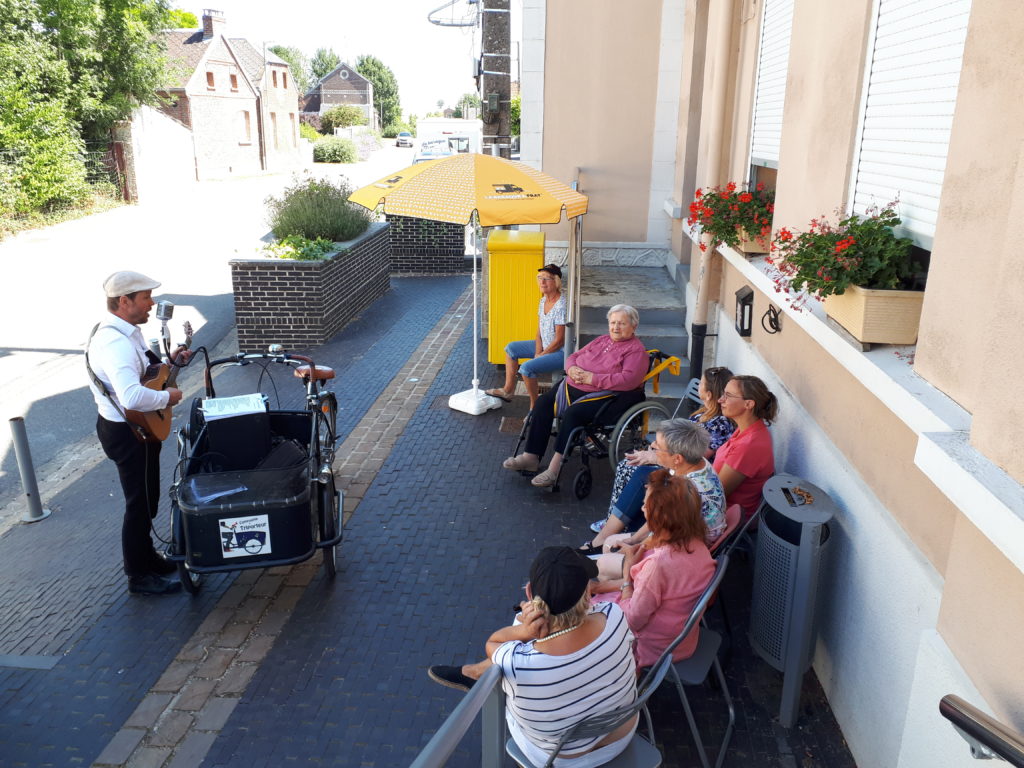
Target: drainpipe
717	108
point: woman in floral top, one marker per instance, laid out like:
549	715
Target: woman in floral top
709	416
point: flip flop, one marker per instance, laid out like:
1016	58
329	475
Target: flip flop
498	393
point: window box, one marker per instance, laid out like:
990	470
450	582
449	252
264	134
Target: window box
877	316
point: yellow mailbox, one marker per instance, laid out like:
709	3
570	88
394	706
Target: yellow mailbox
513	295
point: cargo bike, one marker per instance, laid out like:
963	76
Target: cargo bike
254	487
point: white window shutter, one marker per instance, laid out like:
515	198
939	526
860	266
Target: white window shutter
770	91
912	83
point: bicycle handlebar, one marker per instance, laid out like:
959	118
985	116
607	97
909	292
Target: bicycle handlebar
241	358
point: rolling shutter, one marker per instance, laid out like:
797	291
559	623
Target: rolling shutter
908	109
770	92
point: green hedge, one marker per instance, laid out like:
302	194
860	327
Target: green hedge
334	149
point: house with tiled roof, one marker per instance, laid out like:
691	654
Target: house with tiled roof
238	101
341	86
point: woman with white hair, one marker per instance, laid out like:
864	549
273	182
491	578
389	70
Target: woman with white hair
609	365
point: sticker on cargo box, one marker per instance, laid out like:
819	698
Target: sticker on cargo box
245	536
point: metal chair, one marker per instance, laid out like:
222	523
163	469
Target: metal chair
695	669
641	752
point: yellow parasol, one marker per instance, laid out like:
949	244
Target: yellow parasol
500	191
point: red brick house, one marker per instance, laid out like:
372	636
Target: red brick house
239	102
341	86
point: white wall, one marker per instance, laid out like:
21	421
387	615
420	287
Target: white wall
878	656
163	153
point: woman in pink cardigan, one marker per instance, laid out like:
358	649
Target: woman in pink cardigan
614	363
665	575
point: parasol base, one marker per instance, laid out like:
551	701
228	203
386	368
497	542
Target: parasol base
473	401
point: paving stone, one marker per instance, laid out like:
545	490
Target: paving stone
149	757
215	714
192	751
194	694
120	747
170	730
215	664
251	609
175	676
233	635
236	679
146	714
257	648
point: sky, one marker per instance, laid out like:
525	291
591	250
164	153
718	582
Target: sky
429	62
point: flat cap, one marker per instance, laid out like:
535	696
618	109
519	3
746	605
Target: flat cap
123	283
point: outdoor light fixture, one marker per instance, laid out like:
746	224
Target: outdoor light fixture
492	102
744	310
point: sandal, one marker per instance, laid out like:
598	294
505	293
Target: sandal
521	463
498	393
545	479
589	550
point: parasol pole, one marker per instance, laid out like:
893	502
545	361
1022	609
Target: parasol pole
473	401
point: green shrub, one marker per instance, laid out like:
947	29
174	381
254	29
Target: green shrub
307	131
341	117
334	149
316	208
299	248
392	130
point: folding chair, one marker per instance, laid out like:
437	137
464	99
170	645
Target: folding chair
695	669
641	752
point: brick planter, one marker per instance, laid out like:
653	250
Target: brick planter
302	304
425	246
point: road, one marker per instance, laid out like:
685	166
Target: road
52	297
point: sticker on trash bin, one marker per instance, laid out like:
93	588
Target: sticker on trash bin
245	536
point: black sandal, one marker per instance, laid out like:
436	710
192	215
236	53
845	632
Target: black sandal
589	549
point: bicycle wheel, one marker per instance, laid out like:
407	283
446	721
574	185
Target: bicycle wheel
635	430
330	521
327	424
190	581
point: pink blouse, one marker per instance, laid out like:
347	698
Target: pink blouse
666	585
618	366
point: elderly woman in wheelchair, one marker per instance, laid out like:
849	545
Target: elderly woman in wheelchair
612	365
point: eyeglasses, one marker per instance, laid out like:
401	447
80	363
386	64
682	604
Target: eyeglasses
713	371
734	397
545	279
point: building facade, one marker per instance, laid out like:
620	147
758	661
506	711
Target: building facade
343	86
837	104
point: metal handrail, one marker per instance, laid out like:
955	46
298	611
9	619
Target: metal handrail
988	738
486	696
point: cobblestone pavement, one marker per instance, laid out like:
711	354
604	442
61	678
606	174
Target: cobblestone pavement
286	666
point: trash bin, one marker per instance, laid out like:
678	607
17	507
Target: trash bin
792	542
512	295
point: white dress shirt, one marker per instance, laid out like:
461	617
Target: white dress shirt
117	355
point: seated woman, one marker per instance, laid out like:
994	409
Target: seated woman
614	363
563	660
746	460
666	574
679	446
545	352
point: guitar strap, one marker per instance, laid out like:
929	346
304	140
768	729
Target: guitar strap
138	431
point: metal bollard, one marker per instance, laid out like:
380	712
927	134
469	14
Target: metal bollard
28	473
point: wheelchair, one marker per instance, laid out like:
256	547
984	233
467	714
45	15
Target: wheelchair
613	433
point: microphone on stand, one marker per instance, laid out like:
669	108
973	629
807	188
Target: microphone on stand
164	312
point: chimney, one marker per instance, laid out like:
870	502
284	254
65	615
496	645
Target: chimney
213	23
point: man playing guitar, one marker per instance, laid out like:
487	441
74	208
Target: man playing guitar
117	359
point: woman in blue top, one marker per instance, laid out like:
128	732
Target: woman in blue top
546	352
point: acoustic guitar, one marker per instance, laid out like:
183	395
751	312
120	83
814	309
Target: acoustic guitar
156	425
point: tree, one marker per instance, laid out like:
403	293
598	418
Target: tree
299	64
179	19
385	88
112	52
324	61
440	104
341	117
41	162
513	115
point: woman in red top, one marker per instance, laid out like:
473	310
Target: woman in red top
746	460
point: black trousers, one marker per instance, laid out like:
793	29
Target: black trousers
138	467
576	415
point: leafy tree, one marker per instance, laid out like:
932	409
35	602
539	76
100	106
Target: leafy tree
341	117
179	19
299	65
513	116
112	53
412	124
440	104
324	61
41	163
385	88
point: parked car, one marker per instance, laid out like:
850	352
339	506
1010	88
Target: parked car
404	139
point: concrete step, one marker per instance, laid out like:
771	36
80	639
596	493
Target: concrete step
649	289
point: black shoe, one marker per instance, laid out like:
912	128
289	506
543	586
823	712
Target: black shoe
162	567
152	584
451	677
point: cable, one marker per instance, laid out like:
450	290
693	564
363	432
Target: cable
770	320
